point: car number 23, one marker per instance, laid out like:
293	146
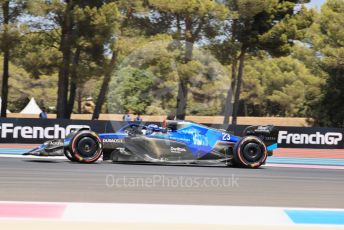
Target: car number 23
226	137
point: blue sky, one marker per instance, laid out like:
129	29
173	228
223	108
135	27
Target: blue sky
316	3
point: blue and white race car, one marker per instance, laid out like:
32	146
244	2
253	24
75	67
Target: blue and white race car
176	142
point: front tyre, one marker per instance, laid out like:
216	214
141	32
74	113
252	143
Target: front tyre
85	147
250	152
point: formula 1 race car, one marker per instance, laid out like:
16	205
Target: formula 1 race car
177	142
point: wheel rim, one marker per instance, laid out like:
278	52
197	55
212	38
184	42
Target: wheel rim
87	147
252	152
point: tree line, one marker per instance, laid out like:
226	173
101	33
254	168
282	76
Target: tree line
202	57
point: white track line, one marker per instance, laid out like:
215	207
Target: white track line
176	214
32	157
169	214
333	167
163	214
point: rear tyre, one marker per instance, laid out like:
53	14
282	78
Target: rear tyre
249	152
85	147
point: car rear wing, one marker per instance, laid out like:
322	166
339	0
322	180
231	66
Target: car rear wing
267	133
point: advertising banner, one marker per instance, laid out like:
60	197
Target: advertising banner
32	131
310	137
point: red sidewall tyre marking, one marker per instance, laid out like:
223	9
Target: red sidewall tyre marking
239	153
77	155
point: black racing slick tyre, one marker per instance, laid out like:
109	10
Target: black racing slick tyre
84	147
250	152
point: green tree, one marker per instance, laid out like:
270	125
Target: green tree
78	33
157	57
148	58
132	91
272	26
279	87
328	40
9	38
128	11
189	22
97	30
24	87
153	56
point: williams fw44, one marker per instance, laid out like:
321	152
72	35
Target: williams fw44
177	142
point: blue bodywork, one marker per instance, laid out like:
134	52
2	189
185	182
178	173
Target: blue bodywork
200	139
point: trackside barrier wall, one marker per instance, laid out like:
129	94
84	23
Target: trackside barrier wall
36	131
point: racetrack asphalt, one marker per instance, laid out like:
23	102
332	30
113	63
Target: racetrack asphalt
57	180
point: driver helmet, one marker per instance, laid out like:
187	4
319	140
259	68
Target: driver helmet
152	128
